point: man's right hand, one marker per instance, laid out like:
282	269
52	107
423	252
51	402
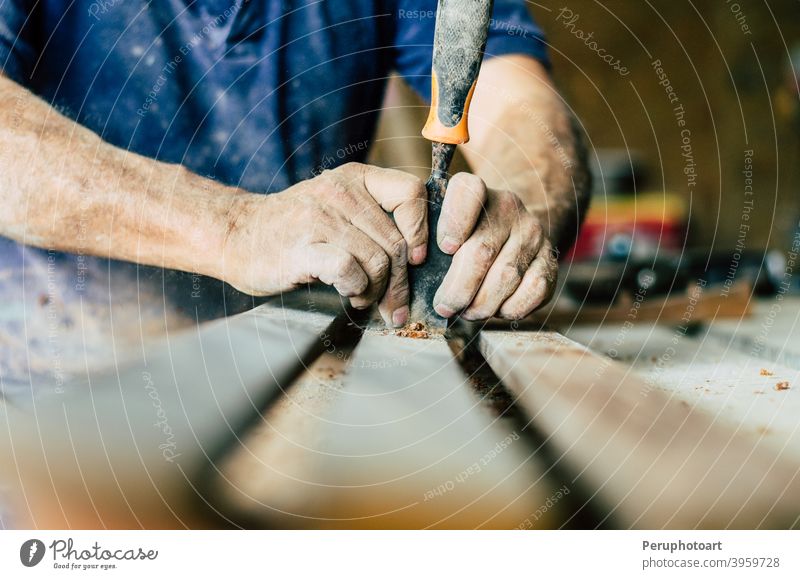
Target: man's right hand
334	228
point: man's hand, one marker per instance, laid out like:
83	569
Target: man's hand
334	228
502	262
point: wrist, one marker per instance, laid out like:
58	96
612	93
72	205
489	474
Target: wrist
213	212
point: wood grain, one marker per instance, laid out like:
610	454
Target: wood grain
407	445
653	460
134	448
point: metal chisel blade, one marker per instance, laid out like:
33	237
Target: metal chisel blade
425	279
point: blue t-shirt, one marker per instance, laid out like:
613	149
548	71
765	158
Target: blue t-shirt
255	93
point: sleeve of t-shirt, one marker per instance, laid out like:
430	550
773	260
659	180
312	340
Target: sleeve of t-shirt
17	52
511	31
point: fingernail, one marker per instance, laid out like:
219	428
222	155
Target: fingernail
443	311
418	254
448	244
400	317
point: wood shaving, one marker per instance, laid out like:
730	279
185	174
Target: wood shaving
415	330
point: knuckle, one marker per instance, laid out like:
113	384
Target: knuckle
324	223
416	187
352	176
379	264
537	292
397	294
398	249
337	190
510	275
484	252
509	203
470	182
345	266
317	214
532	229
352	167
359	285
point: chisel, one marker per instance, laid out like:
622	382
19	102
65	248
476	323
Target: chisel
458	46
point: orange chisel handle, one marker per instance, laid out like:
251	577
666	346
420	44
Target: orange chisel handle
458	45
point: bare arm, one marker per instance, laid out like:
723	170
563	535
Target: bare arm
524	139
66	189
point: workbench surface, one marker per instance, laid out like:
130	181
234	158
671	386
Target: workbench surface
745	372
741	374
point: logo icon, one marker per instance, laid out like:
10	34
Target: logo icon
32	552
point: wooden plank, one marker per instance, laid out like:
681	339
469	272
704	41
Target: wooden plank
272	479
407	445
772	333
725	383
136	447
655	461
266	481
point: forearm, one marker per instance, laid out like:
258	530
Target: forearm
523	139
64	188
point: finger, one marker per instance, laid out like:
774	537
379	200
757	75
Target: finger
336	267
506	273
461	209
536	288
470	265
404	196
381	229
370	256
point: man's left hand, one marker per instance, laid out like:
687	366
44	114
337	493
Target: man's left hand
503	263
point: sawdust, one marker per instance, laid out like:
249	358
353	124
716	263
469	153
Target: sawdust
782	386
765	372
415	330
329	372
